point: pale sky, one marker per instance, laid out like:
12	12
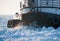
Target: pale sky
9	7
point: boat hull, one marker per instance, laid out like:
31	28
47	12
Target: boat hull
41	18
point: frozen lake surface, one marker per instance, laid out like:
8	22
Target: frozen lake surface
27	33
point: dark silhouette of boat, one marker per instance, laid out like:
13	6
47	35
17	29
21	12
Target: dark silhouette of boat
41	18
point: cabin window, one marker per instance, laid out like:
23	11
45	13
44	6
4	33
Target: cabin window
32	9
46	2
32	0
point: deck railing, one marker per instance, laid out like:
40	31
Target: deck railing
44	4
38	5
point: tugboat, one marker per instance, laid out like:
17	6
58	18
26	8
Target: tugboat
39	11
